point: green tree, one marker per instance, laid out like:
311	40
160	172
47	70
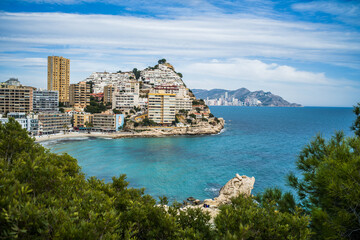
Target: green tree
245	218
329	188
162	61
136	73
356	124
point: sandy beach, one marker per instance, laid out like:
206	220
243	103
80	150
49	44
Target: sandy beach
154	132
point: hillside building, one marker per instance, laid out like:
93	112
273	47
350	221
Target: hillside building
108	93
162	107
80	94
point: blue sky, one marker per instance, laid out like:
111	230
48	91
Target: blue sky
305	51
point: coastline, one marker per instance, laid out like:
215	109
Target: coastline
202	129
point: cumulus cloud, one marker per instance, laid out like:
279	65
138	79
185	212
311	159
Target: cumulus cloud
222	50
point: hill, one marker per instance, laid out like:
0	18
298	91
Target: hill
242	97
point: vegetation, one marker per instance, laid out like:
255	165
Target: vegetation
198	102
136	73
147	122
162	61
180	74
46	196
116	111
329	189
95	106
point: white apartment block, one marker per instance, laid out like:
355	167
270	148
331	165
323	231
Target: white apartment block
184	103
131	86
160	76
30	123
125	100
45	100
102	79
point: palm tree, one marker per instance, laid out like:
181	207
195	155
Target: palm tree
89	125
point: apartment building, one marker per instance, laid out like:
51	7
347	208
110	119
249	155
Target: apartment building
53	122
161	75
183	103
45	101
108	93
125	101
102	79
15	98
108	122
59	77
80	120
79	95
162	107
130	86
30	123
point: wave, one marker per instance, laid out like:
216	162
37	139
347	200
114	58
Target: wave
54	141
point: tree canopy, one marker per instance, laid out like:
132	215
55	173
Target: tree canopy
46	196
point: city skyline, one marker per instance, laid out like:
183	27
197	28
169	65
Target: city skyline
306	52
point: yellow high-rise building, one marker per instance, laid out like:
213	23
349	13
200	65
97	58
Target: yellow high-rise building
59	77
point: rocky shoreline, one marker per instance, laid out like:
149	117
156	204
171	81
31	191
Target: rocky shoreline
239	185
202	128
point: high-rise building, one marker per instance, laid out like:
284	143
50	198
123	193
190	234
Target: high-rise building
16	98
59	77
108	92
162	107
45	101
79	94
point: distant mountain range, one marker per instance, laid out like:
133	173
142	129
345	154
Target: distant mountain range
246	97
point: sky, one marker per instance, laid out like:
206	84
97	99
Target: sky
308	52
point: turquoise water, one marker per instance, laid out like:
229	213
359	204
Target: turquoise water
260	142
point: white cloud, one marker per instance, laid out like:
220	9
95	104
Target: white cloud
347	11
221	50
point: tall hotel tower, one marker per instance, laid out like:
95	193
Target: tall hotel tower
59	77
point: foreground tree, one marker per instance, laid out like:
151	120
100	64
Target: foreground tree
329	188
246	218
46	196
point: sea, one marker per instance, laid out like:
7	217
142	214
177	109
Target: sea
263	142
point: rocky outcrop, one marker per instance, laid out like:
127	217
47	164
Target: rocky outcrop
202	128
239	185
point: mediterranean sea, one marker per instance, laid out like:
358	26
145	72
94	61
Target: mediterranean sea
257	141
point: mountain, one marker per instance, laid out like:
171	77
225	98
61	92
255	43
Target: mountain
248	98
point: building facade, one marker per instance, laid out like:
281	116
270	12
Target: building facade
45	101
53	122
59	77
80	120
30	123
79	95
16	98
125	101
108	122
108	93
162	107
